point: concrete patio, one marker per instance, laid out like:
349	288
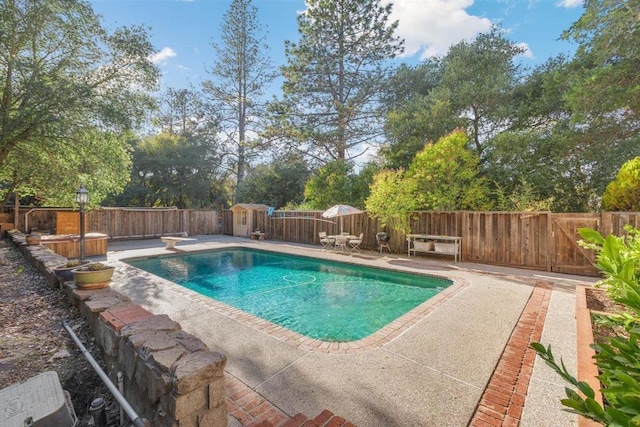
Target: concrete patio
432	371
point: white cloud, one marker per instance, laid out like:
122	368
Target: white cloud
569	3
162	56
430	27
527	50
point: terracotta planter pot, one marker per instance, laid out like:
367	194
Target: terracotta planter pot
92	279
65	273
33	239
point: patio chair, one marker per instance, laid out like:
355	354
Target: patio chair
355	243
340	243
326	241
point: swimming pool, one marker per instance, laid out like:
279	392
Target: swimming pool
324	300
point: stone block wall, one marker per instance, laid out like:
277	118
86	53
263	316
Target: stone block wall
171	378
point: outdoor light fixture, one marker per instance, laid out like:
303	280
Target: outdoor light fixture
82	197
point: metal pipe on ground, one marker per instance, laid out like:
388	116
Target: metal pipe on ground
137	420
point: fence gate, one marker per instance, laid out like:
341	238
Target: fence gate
568	256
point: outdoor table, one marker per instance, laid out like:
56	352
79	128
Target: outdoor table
347	237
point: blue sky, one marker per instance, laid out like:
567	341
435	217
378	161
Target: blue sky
182	31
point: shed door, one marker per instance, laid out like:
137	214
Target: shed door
242	226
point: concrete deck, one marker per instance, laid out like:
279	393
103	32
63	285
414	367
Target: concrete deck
433	371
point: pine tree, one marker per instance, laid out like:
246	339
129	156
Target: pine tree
241	72
335	77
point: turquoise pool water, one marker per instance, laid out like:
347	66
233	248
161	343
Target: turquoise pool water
325	300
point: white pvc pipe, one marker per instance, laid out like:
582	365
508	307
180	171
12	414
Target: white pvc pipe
137	420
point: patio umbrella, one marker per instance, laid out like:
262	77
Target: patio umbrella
340	211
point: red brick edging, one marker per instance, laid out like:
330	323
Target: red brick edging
503	399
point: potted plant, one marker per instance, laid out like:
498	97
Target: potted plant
92	276
64	271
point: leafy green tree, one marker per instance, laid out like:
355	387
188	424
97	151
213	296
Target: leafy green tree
480	77
607	87
623	194
170	170
66	81
540	97
51	175
564	162
447	175
335	76
241	72
277	184
331	184
538	169
473	86
409	123
361	183
422	119
604	86
406	82
392	198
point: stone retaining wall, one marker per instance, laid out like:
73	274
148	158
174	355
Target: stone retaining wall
171	377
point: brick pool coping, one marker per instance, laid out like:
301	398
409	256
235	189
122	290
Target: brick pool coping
304	343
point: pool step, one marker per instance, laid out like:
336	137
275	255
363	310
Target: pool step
248	408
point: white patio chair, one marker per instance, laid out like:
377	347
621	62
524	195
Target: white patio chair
326	241
340	243
355	243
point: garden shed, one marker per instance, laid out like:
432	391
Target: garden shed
245	218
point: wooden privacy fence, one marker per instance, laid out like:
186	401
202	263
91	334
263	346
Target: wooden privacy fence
537	240
126	223
122	223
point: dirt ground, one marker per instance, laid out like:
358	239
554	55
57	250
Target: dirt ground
33	340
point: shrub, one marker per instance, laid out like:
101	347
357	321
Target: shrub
73	263
623	193
97	267
618	358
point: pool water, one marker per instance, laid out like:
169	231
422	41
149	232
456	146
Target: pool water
325	300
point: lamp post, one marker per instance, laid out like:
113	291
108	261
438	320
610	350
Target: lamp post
82	197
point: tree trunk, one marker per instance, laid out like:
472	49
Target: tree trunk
341	148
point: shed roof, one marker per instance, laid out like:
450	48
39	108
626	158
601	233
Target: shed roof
249	206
